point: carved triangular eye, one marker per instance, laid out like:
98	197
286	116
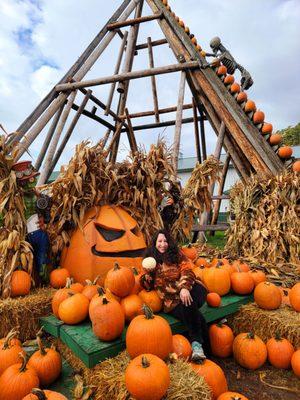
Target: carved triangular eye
109	234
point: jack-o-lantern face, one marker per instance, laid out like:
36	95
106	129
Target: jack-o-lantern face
109	234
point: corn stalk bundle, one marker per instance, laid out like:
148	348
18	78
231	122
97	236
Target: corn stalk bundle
266	229
196	195
14	249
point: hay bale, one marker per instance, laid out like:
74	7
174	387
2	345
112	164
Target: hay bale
24	312
266	323
108	378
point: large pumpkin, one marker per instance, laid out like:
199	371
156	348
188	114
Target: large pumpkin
109	234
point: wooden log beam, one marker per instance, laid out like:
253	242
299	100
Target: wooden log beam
38	111
134	21
94	117
160	124
203	228
160	111
153	81
202	134
131	136
178	125
128	76
196	131
153	44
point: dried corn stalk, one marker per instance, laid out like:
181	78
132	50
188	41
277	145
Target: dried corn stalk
266	228
14	249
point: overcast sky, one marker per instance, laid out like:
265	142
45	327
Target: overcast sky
40	40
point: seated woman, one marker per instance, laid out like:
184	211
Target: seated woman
176	284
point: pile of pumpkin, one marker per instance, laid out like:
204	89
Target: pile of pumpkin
20	377
249	106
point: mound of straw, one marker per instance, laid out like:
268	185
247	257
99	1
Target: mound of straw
108	378
24	313
266	228
266	323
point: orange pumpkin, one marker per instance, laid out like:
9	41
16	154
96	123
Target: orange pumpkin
235	88
182	347
222	70
137	286
267	296
267	128
217	280
296	166
46	362
213	375
132	306
20	283
147	377
198	47
232	396
17	381
242	283
280	352
76	287
109	235
295	362
189	251
59	296
250	106
58	277
108	320
241	97
275	139
201	262
9	353
257	276
119	280
258	117
38	394
285	152
194	41
221	339
149	333
12	340
97	299
229	79
249	350
74	309
151	299
294	296
90	289
213	299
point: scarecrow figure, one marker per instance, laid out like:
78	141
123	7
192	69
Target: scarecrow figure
37	214
227	59
170	206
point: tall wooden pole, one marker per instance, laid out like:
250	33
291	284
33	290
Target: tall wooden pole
202	134
196	130
153	81
50	133
131	136
50	154
177	135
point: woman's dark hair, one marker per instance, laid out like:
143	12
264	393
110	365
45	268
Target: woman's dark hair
171	256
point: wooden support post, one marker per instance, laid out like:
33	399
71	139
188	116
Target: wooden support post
160	124
153	44
115	135
196	130
160	111
38	111
69	133
117	69
134	21
131	136
202	134
220	141
50	154
105	138
50	133
59	101
178	126
217	202
94	117
153	81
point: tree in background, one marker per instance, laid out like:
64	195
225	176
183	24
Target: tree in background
291	135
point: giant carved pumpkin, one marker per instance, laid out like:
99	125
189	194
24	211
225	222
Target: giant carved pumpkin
109	234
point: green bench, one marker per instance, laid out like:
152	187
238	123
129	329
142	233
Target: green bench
81	340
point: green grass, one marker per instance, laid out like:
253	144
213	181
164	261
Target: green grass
218	240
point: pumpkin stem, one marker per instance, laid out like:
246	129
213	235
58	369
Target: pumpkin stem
88	282
24	362
96	280
104	300
148	312
135	271
116	266
40	394
278	336
250	335
68	283
101	291
145	362
11	334
40	344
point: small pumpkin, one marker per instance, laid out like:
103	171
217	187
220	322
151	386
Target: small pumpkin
9	353
147	377
235	88
285	152
249	350
213	375
267	296
17	381
149	263
46	362
280	351
267	128
222	70
257	276
258	117
12	340
119	280
221	339
132	306
181	23
198	47
137	286
38	394
76	286
74	309
90	289
242	282
194	41
217	280
241	97
182	347
59	296
201	262
149	333
20	283
97	299
229	79
232	396
250	106
190	252
213	299
108	320
295	363
151	299
294	296
296	166
58	277
275	139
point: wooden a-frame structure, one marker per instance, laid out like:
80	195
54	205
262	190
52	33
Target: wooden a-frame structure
246	148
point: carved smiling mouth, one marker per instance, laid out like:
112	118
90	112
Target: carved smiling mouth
126	253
